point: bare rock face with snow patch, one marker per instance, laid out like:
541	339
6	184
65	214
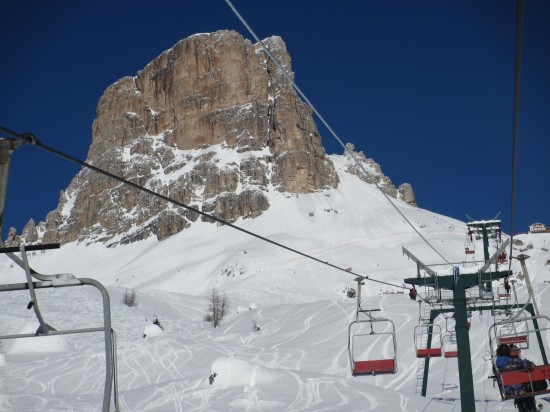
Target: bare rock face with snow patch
212	123
369	171
406	193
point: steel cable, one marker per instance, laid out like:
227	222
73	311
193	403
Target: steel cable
32	140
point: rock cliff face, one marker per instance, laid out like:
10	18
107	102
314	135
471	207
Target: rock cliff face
212	123
370	171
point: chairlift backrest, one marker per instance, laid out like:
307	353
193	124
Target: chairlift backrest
371	366
450	349
427	340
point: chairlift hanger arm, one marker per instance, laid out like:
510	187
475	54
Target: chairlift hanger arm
494	258
7	146
419	262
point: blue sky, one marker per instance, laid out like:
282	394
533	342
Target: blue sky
424	88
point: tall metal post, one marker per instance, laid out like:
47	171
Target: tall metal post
360	282
7	146
467	399
433	315
522	258
485	243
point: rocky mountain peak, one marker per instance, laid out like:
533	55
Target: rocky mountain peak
212	123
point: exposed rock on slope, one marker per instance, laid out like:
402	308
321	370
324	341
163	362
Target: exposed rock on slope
359	164
212	123
173	127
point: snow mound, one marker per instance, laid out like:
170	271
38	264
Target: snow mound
151	331
229	372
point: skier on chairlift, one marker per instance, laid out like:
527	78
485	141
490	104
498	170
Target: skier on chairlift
413	293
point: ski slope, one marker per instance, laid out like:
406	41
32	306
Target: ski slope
297	360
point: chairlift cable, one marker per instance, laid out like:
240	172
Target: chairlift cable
303	96
32	140
517	78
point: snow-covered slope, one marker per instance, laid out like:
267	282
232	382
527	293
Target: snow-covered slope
283	345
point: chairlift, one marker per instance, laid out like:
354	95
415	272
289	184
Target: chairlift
449	329
366	365
469	245
450	349
66	280
423	334
506	285
524	378
511	332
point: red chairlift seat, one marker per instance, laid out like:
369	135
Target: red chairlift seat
425	353
512	340
518	377
469	251
425	331
450	349
373	367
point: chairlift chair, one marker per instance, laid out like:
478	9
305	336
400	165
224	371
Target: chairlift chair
522	377
450	349
371	366
39	281
423	333
469	245
506	294
511	332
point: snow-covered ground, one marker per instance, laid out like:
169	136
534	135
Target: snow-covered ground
283	345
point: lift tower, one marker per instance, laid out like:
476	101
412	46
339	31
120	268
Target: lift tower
458	283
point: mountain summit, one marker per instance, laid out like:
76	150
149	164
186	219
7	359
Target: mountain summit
211	122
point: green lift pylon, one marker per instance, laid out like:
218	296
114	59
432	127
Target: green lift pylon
459	283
